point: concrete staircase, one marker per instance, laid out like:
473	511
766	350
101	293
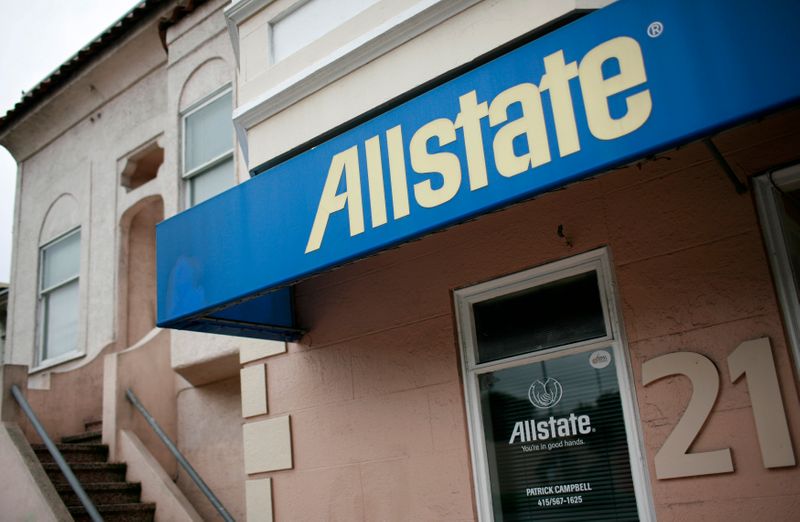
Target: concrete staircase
104	482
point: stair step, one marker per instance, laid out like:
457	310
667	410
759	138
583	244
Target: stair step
103	493
88	472
88	437
93	425
73	453
118	513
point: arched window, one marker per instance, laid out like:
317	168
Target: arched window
59	283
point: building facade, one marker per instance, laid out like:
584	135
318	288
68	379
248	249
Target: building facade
471	259
99	147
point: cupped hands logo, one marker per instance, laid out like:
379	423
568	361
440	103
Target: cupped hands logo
545	394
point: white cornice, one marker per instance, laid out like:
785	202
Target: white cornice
236	13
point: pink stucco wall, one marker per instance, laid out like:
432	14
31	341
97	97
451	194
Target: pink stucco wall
374	391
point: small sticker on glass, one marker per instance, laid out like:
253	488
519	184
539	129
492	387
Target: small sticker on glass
600	359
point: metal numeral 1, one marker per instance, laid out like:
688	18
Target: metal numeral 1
754	360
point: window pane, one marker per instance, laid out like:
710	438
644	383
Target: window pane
211	182
61	310
566	311
61	260
311	21
791	230
209	132
556	440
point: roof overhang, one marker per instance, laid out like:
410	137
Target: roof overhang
139	14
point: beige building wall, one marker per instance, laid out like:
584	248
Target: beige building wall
211	439
64	185
79	151
73	150
25	490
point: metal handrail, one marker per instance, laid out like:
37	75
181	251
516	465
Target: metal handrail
179	457
62	464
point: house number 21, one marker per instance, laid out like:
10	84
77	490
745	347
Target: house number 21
754	360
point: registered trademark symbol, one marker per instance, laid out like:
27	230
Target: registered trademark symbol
655	29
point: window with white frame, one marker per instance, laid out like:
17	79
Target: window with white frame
778	199
554	430
208	167
58	297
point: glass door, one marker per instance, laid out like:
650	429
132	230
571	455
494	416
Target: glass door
553	426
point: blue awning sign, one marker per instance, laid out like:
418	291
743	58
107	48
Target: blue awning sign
520	143
629	80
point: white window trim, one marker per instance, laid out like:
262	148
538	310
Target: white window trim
598	261
186	176
39	363
767	195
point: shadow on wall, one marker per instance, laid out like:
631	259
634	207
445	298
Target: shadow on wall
137	283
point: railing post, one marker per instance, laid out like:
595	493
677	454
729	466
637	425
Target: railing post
179	457
91	510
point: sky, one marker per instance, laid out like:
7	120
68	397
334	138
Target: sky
36	36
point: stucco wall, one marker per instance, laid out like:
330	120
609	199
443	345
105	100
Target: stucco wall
81	162
210	436
71	400
145	370
374	392
92	125
73	149
25	490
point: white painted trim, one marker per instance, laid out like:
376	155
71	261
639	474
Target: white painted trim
600	262
341	62
769	213
205	100
213	162
236	13
56	361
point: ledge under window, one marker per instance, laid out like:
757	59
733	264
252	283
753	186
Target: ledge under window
57	361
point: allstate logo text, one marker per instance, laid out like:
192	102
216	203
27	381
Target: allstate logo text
546	394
